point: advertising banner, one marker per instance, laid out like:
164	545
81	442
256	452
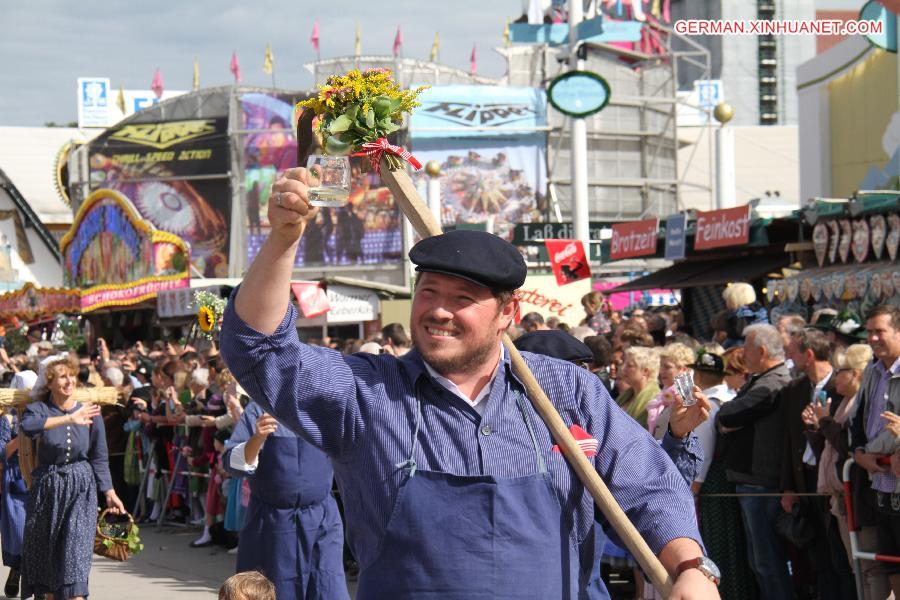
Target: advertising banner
491	144
542	294
634	238
175	173
311	298
482	182
93	101
366	231
478	111
568	260
345	304
116	258
720	228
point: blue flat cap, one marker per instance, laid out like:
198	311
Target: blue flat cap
555	344
477	256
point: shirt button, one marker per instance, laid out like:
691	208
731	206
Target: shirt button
486	430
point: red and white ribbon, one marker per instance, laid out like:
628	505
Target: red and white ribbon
375	150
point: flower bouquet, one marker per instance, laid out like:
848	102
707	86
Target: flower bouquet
210	309
357	112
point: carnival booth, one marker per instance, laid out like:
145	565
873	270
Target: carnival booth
851	261
120	262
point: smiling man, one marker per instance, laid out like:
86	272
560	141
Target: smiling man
879	392
451	483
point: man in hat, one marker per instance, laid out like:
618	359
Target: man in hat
451	483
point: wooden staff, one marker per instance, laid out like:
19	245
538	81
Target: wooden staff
423	221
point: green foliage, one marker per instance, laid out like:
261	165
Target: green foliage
122	532
360	107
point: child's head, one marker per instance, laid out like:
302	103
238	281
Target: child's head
249	585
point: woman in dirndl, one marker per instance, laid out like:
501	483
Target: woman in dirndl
12	502
61	512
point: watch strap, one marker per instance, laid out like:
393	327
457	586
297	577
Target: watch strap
696	563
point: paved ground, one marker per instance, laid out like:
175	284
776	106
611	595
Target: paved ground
167	569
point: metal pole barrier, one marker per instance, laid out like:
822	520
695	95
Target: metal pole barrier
171	484
851	530
140	502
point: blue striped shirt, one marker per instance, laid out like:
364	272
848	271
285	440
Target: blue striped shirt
361	410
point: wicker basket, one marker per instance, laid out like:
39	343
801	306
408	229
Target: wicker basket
117	549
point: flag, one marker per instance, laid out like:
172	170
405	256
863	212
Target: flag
120	100
235	68
473	62
398	42
314	38
506	34
568	260
435	47
535	12
196	85
157	85
358	46
311	297
268	61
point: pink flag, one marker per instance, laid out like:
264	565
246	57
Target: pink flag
398	42
157	85
473	62
315	36
235	67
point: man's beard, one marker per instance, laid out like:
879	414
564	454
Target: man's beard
467	360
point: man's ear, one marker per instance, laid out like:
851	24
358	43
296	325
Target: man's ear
508	313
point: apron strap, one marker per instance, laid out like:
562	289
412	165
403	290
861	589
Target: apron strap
520	402
410	463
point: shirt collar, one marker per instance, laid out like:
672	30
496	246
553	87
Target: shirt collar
894	370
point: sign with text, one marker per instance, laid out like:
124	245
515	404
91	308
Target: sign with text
568	260
311	297
635	238
675	230
720	228
116	258
466	110
541	294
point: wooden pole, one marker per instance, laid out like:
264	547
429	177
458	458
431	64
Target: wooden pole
426	225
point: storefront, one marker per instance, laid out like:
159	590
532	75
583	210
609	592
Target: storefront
718	248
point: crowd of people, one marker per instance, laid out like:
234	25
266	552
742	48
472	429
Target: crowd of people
793	396
790	401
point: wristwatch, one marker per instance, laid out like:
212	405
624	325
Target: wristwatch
704	565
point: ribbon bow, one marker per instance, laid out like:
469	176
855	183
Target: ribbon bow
375	150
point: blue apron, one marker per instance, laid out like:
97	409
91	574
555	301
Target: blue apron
12	513
292	531
460	537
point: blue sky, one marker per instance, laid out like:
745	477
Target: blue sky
47	44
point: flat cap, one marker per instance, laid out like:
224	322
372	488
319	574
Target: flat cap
555	344
476	256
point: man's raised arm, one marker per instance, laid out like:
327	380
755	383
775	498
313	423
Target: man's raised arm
262	299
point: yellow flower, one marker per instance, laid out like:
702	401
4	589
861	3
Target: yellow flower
206	318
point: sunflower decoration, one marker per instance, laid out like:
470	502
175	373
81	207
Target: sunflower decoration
210	309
